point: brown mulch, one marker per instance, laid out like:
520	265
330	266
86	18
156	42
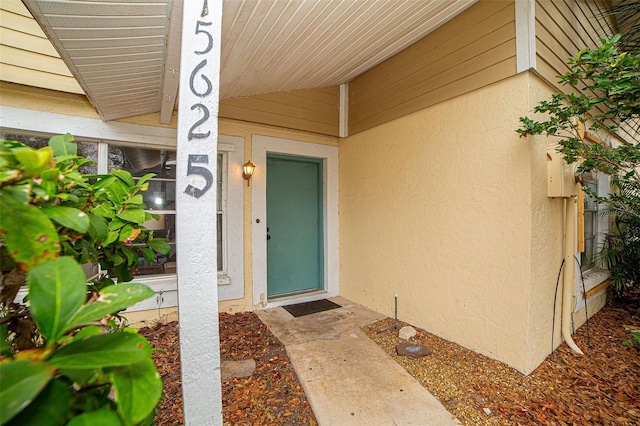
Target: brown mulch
600	388
272	395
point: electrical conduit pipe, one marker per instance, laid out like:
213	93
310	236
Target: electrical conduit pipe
568	285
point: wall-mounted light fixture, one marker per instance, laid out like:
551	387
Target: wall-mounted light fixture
247	171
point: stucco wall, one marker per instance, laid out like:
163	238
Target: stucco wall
437	207
546	242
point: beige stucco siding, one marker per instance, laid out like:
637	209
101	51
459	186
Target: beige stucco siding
474	49
312	110
546	243
436	207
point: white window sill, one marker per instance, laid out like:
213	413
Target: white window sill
594	277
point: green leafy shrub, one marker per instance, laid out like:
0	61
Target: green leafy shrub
603	88
63	358
621	249
634	340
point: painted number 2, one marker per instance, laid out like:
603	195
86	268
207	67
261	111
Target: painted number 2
201	159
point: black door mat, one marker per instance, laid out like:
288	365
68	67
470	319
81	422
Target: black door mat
300	309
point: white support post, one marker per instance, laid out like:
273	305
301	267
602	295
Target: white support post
196	212
344	110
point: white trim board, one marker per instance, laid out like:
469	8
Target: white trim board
22	120
525	35
261	145
234	148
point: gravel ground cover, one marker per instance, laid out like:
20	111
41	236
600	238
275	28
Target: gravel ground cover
600	388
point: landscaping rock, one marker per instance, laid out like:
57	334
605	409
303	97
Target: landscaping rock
242	368
412	350
407	332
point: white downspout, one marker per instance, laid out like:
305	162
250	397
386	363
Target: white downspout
569	211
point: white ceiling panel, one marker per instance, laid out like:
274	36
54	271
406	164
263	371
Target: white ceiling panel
272	46
117	49
109	39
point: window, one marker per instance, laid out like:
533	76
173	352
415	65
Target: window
590	227
230	217
160	199
221	211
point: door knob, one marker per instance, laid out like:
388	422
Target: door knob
268	237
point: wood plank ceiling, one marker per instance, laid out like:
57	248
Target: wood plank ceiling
125	55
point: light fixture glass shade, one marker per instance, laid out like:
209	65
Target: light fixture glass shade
247	170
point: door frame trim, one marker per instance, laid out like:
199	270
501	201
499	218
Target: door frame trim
261	145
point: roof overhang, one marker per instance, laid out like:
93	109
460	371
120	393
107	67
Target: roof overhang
125	55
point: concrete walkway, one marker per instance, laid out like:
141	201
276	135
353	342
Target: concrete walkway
348	379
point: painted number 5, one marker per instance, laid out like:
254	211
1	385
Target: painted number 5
210	39
201	171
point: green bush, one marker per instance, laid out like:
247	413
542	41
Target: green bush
601	93
621	249
634	340
64	360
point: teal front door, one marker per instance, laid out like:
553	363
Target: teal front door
295	243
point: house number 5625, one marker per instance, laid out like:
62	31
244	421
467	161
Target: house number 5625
198	163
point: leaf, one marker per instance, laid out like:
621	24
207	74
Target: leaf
132	256
68	217
138	389
148	254
50	408
104	350
159	245
63	145
5	349
126	233
125	176
33	161
132	215
21	382
51	175
97	228
136	199
116	224
91	330
140	182
112	299
117	191
57	289
111	237
103	210
101	417
28	233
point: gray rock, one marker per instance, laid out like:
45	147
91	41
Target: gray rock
407	332
242	368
